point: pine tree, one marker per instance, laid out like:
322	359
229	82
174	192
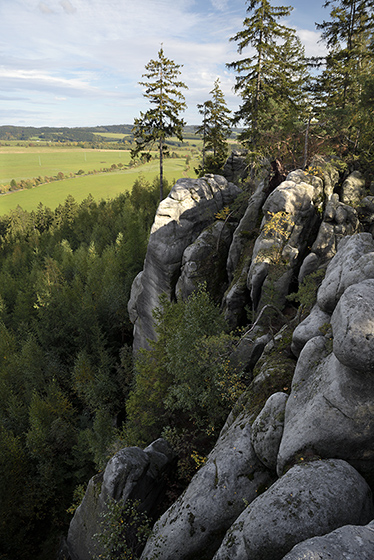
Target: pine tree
215	129
270	81
162	89
349	63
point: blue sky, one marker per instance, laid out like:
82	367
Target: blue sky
78	62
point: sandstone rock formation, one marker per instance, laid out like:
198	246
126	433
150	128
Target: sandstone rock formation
347	543
181	217
130	474
290	473
196	523
308	500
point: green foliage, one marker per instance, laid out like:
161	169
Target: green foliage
185	381
124	531
215	130
306	295
342	88
65	358
270	81
163	90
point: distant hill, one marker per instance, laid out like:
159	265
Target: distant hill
61	134
77	134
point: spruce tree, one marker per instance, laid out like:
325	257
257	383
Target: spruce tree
270	82
348	65
215	129
162	120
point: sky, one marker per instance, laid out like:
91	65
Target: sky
78	62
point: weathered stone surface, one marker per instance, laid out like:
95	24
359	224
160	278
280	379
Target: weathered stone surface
236	167
281	247
194	525
267	430
131	473
353	327
181	217
236	298
350	542
309	500
365	212
353	188
249	351
353	263
249	221
205	260
330	411
339	220
245	229
309	328
290	197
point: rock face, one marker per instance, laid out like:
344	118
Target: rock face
290	216
267	430
348	543
130	474
339	220
204	261
289	475
331	406
236	167
353	188
195	524
308	500
181	217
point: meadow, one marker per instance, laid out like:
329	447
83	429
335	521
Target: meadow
27	162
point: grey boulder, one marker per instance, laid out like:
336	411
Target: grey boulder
350	542
352	263
353	327
132	473
309	328
180	218
330	411
193	527
267	429
309	500
353	188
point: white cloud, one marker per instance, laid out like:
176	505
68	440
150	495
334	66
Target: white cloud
44	8
93	51
68	7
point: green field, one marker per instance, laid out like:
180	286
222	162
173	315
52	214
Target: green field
24	163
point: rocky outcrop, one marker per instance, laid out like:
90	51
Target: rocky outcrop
331	407
290	216
339	220
308	500
290	473
236	167
204	262
353	189
132	473
181	217
267	430
350	542
231	477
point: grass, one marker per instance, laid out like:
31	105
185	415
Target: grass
25	163
100	186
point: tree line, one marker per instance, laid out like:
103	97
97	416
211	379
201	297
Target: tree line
71	394
65	354
289	104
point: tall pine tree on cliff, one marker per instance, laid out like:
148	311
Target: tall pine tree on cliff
215	129
162	120
348	68
270	82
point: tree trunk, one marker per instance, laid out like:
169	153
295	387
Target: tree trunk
161	171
